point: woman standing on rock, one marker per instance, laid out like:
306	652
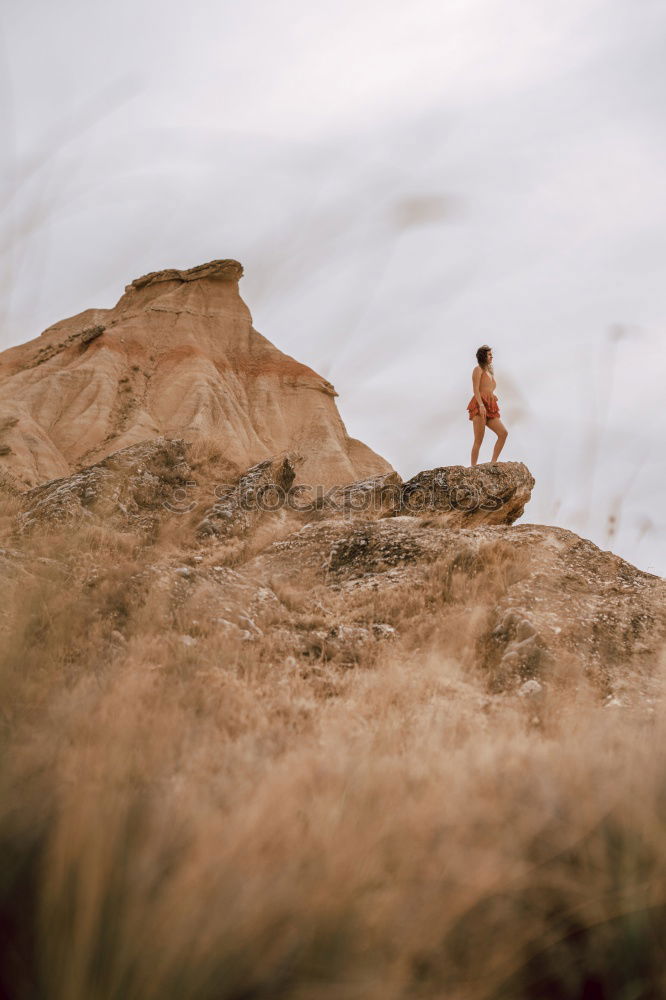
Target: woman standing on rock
482	408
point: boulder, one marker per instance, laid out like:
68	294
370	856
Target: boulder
486	494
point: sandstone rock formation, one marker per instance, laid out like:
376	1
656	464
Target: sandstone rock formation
176	356
170	418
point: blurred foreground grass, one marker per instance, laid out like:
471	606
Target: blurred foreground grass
204	823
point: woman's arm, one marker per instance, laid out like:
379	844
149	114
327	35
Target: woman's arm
476	382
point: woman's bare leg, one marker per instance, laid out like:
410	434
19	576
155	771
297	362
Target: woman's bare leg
479	425
498	427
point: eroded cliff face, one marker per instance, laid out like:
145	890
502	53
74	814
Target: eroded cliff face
176	356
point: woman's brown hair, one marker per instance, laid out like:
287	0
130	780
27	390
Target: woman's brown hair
482	357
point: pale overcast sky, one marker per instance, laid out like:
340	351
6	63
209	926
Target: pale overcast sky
401	183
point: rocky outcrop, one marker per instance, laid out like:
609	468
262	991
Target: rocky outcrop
543	604
458	496
376	496
176	357
532	607
486	494
222	270
261	490
134	488
161	474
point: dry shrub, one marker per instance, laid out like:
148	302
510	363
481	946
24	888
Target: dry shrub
80	589
205	453
10	505
291	594
220	833
451	606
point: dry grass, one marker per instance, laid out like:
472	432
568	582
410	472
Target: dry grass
206	456
212	822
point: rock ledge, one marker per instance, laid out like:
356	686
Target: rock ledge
222	270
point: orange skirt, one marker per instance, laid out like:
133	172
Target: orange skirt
490	402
